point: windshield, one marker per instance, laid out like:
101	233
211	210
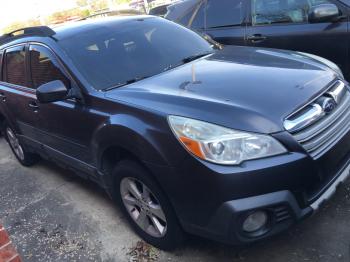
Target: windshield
116	54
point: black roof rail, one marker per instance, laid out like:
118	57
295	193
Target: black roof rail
28	31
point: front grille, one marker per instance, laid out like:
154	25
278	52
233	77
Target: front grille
324	131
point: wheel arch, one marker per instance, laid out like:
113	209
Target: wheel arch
128	136
113	153
151	143
116	153
5	118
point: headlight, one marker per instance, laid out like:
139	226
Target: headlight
222	145
325	61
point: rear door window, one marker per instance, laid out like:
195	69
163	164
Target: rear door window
219	13
222	13
44	67
15	69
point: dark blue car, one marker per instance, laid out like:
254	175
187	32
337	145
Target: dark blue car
319	27
235	144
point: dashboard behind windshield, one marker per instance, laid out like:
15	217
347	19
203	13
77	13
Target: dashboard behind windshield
115	53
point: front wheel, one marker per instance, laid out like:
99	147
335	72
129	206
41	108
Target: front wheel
146	207
22	155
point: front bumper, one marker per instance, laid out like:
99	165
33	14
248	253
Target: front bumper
341	178
282	206
212	200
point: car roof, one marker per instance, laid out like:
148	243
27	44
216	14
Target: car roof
121	12
68	30
71	29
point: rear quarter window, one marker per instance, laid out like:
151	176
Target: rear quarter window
185	20
198	21
177	11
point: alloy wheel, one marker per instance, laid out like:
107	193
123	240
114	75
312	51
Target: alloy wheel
143	207
14	143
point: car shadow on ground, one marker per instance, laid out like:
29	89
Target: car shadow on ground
71	176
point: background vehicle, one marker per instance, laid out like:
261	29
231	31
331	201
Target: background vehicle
137	4
235	144
317	27
159	10
122	12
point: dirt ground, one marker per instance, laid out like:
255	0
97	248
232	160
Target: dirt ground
52	215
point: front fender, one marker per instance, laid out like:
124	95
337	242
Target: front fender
7	117
149	141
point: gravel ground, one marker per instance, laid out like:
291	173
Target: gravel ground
52	215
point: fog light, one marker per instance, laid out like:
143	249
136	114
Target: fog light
255	221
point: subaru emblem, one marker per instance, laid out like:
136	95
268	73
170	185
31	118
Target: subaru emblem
328	104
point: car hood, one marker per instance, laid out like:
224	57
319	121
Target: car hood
251	89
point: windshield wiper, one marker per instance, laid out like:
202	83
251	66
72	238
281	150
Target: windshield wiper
186	60
172	66
194	57
128	82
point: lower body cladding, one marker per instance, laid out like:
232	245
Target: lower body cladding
259	199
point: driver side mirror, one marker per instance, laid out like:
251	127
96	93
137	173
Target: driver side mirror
52	92
323	13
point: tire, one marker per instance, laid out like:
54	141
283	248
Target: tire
19	150
148	205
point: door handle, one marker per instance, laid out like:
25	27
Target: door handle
3	97
33	105
256	38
